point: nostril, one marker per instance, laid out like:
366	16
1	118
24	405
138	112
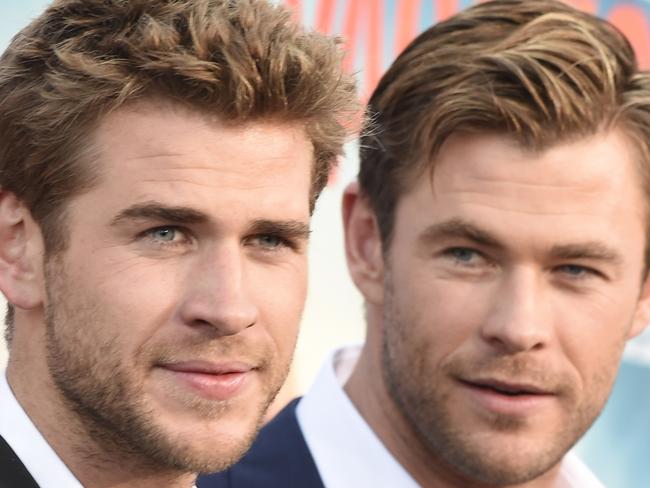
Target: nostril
202	322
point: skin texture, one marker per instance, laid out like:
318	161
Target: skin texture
187	254
507	269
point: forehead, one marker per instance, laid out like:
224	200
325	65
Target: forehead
589	185
149	128
155	150
598	166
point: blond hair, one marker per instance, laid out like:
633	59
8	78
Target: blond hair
538	71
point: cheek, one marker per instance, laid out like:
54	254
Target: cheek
441	312
279	293
143	294
423	326
597	369
129	281
592	336
593	329
128	302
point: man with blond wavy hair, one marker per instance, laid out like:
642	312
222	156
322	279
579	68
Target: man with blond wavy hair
153	260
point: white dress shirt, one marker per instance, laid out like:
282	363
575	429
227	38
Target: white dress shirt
348	453
30	446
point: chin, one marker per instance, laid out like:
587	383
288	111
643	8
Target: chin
505	465
206	453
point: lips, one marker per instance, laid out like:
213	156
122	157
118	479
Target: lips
213	381
207	367
507	397
509	388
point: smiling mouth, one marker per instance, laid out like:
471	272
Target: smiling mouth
213	381
506	398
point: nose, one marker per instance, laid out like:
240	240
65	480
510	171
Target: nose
518	319
217	293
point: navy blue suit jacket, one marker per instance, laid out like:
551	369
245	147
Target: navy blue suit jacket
279	458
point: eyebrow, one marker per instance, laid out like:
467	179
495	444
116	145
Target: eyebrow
593	251
160	212
293	229
459	228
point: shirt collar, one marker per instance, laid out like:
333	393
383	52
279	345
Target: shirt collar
344	446
28	443
575	474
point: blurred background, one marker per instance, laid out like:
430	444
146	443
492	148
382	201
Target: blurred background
617	448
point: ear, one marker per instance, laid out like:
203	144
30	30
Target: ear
21	254
642	314
363	247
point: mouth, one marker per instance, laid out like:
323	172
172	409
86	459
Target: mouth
217	381
208	367
513	389
505	397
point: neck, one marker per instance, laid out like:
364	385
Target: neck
367	391
71	438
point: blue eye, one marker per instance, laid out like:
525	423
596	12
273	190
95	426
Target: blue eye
573	269
463	254
166	234
576	271
167	238
270	241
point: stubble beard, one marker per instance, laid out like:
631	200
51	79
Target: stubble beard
421	401
108	402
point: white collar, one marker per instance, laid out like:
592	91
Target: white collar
348	453
341	442
575	474
28	443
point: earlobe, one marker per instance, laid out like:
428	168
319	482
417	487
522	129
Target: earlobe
642	315
363	246
20	268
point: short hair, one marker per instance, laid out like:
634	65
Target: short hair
538	71
242	60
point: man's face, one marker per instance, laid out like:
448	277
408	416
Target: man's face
512	283
173	313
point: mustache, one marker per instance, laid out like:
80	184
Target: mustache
225	348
